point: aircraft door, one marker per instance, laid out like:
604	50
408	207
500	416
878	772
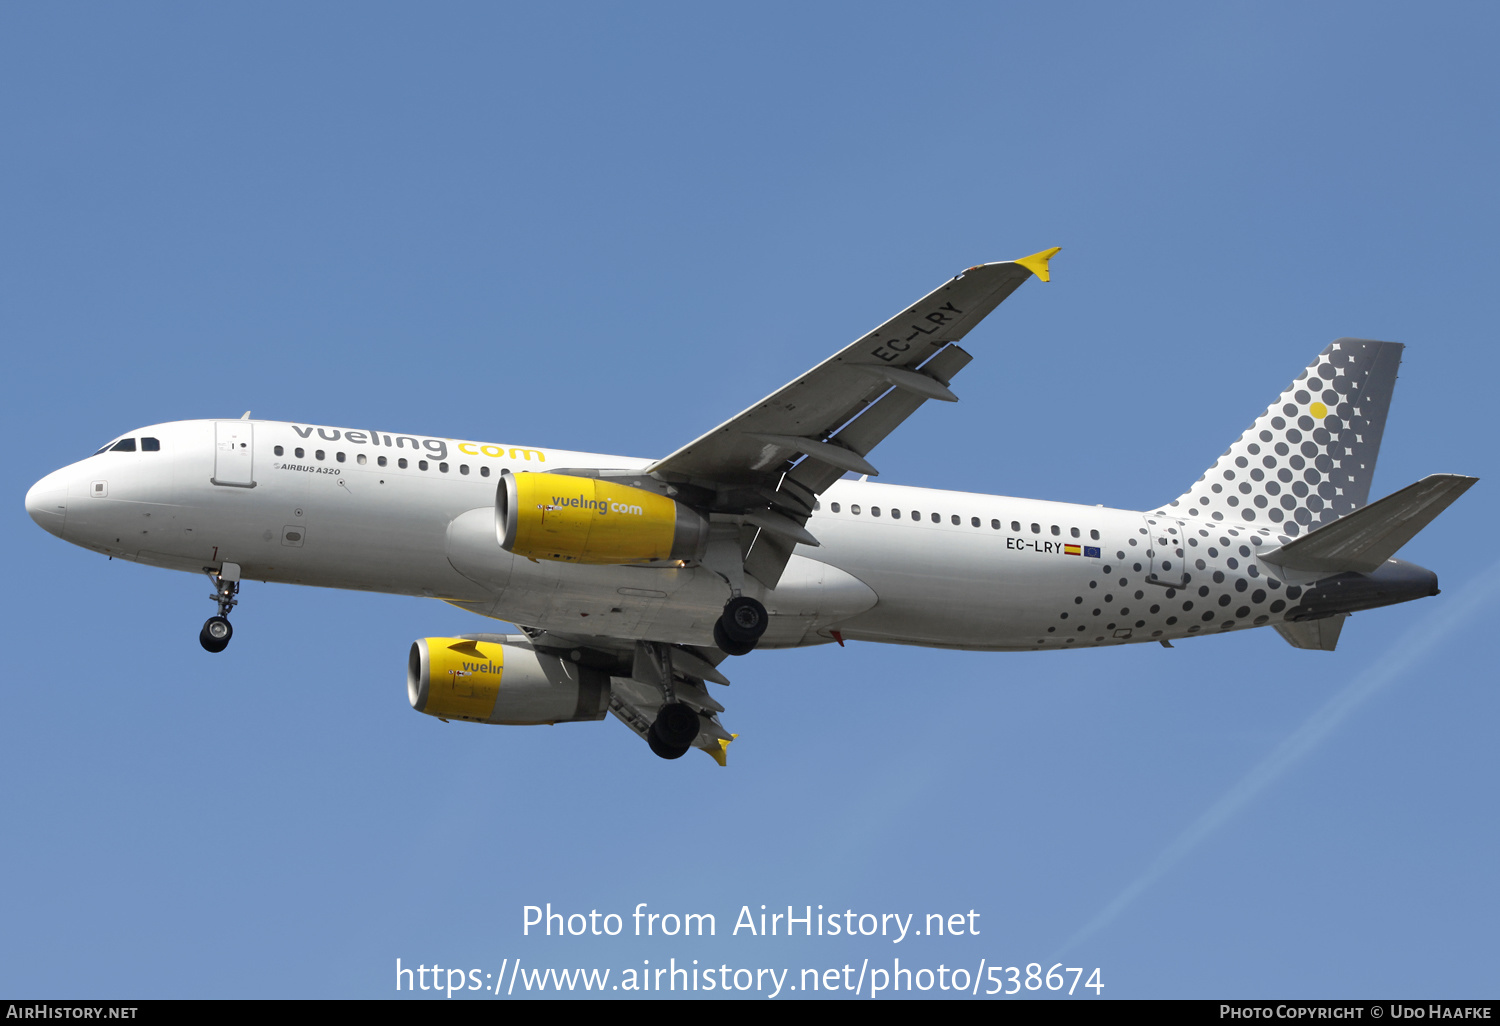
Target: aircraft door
234	453
1166	545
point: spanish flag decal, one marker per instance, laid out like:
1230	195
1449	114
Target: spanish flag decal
1072	550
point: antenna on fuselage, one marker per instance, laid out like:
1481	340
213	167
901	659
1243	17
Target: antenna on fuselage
245	415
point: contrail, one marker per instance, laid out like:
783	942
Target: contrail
1412	647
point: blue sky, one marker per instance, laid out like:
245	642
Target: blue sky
612	226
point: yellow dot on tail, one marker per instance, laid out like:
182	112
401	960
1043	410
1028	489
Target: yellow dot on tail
1318	410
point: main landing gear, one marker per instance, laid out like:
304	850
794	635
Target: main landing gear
677	724
674	730
740	626
216	632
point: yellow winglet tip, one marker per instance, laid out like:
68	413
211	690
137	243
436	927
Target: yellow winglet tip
720	751
1037	262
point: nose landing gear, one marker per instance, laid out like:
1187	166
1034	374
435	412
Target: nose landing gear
216	632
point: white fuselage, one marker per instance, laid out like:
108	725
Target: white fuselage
414	515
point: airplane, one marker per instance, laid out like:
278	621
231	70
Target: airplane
633	580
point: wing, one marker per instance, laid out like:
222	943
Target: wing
638	671
768	464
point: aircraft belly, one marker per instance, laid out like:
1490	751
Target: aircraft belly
951	588
961	608
672	604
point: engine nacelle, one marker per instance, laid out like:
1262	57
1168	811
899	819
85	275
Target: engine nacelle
589	520
501	682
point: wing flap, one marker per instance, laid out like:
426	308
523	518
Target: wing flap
636	701
769	554
636	705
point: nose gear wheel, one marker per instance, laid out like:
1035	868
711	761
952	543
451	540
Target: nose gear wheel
215	635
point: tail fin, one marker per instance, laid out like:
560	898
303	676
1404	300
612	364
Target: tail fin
1310	458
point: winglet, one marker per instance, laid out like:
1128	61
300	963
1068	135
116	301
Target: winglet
720	751
1037	262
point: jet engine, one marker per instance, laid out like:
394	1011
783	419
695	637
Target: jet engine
501	682
589	520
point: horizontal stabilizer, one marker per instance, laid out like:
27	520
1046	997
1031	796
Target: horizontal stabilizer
1363	540
1320	635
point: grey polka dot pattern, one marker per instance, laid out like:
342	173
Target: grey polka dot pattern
1225	588
1309	459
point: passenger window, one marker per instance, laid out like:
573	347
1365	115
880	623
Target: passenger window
854	509
484	471
339	456
150	445
1075	532
362	459
463	468
974	521
123	445
298	452
319	454
401	463
279	451
1036	528
1094	535
995	524
874	511
380	461
443	468
834	507
936	519
421	464
1056	530
915	515
817	505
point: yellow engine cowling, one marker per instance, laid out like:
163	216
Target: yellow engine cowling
588	520
501	682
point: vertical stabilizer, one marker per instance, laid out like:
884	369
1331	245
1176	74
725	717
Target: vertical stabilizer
1310	458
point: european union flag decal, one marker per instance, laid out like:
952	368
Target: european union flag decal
1091	550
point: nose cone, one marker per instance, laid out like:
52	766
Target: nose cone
47	502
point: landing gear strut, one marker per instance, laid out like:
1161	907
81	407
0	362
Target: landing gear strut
677	725
216	632
740	626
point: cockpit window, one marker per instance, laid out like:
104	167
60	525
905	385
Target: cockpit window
128	445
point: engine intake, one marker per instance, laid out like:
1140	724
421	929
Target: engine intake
501	682
588	520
